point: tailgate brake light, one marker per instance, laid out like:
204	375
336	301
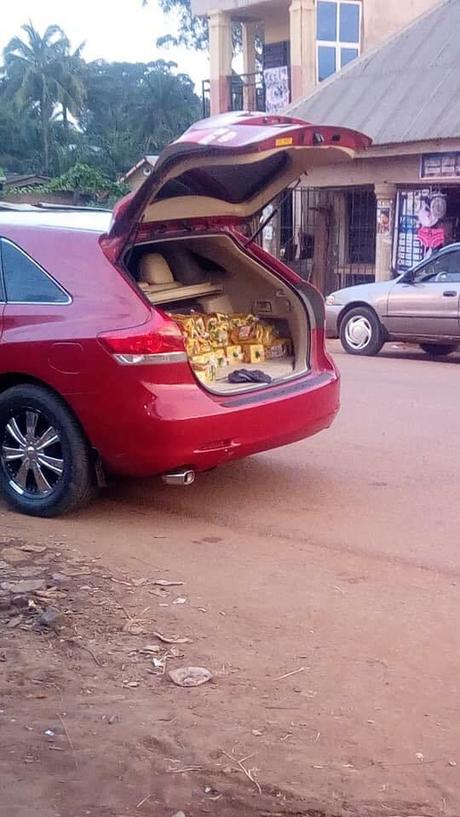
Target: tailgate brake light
159	340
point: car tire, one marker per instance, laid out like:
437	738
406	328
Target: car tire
361	332
45	461
438	349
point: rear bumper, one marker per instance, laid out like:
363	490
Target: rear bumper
332	320
154	429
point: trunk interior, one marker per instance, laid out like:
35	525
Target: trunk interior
234	313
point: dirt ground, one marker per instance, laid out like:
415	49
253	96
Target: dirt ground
320	589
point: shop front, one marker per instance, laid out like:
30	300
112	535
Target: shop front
327	234
427	214
372	220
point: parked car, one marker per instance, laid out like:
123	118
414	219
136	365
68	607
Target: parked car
420	306
96	375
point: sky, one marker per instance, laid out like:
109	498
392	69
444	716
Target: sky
114	30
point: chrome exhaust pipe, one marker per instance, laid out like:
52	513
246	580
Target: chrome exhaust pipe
183	477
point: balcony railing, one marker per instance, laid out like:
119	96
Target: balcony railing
206	98
246	92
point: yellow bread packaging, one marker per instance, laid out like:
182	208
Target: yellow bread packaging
242	328
204	367
218	327
229	339
253	353
234	354
279	348
219	357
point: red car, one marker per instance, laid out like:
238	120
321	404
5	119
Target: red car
110	326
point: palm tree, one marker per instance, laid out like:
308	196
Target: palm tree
72	90
173	105
41	72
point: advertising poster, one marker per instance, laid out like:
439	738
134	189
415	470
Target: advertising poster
276	89
408	250
440	166
384	217
421	227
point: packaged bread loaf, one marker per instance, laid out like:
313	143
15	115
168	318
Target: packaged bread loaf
253	353
217	326
234	354
279	348
242	328
204	367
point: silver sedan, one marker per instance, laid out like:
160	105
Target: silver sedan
421	306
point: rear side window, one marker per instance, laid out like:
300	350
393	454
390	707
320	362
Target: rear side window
25	281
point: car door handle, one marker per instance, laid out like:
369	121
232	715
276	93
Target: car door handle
450	293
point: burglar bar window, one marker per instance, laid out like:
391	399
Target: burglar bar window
362	214
338	35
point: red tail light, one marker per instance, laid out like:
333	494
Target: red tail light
157	341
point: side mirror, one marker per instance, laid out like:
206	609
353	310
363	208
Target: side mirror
409	277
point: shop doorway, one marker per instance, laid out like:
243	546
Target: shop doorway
328	235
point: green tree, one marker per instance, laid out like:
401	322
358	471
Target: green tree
90	181
172	94
71	89
57	111
121	125
39	73
20	143
192	31
84	182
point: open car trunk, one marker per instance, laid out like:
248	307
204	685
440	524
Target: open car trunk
230	166
235	315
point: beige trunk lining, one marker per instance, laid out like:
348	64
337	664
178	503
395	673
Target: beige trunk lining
245	286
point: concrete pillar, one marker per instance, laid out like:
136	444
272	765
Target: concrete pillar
220	60
302	24
249	47
249	64
385	195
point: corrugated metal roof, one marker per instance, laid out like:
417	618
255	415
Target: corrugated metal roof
406	90
25	179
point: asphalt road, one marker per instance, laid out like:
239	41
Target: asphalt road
338	556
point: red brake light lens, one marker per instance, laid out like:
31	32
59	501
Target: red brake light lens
158	338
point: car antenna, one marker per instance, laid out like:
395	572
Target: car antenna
272	214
